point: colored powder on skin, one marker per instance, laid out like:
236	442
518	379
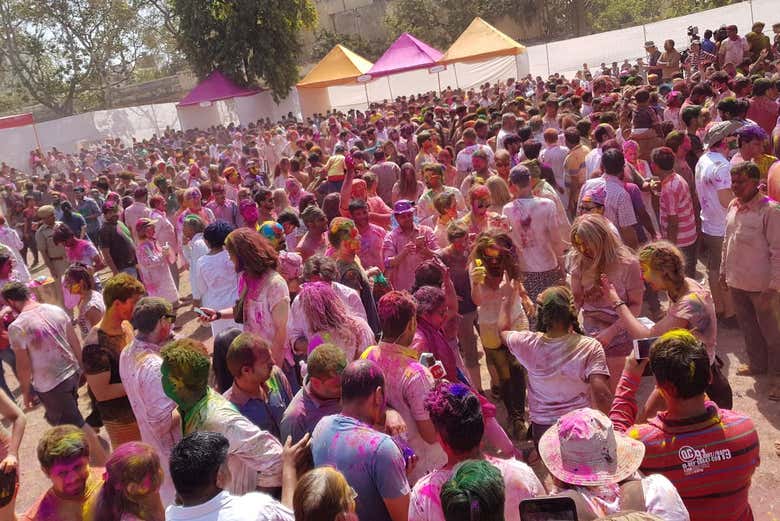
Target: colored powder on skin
69	444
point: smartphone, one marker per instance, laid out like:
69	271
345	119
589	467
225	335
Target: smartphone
642	347
642	352
548	509
201	313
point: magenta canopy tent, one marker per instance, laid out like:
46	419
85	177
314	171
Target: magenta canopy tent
215	87
407	53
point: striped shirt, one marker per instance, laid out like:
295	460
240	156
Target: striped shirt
676	201
709	459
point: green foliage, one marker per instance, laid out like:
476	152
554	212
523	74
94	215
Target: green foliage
607	15
440	22
325	40
247	40
69	53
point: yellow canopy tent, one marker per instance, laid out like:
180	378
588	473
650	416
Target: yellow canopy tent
489	53
339	67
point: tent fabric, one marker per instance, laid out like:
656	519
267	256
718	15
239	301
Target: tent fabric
338	67
405	54
481	41
215	87
18	120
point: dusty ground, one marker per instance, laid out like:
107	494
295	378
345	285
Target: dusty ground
749	398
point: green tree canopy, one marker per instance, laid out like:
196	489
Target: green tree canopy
247	40
69	54
440	22
607	15
325	40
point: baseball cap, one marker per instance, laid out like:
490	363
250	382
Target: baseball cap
148	312
403	206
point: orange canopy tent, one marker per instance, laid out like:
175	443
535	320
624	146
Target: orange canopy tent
485	54
333	82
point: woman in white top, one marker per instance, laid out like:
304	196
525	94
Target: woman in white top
91	307
217	276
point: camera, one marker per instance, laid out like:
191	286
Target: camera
693	31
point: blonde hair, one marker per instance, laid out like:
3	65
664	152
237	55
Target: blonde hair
608	250
665	258
322	494
499	191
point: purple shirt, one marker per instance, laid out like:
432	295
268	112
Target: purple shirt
227	212
369	460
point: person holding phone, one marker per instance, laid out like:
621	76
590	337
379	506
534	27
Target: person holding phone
708	453
406	246
596	466
691	307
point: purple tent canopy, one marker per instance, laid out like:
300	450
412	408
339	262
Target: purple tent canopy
214	88
407	53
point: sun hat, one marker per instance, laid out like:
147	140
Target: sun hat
582	448
45	211
720	131
596	195
403	206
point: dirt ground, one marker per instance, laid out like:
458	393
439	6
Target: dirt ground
749	398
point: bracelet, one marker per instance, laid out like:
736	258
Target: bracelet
218	315
617	304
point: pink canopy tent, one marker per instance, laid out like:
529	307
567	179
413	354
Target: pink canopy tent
215	87
406	54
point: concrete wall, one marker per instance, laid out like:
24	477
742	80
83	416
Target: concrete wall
363	17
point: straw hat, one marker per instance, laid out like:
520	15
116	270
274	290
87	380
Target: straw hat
582	448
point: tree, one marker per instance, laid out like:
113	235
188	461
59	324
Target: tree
607	15
247	40
440	22
65	53
325	40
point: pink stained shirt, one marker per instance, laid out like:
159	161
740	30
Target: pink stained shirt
402	275
559	370
676	201
407	384
371	241
520	483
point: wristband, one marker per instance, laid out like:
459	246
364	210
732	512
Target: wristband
218	315
617	304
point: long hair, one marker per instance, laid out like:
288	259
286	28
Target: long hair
502	241
665	258
325	311
557	306
407	181
254	253
131	462
608	250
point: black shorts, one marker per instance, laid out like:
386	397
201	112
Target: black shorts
62	403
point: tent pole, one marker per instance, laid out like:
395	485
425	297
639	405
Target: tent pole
37	139
517	66
389	88
438	78
455	70
368	103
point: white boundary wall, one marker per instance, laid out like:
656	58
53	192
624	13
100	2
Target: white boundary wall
567	56
67	133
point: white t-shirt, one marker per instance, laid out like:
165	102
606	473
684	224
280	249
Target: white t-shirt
43	332
554	157
558	371
593	162
253	506
520	483
534	222
713	173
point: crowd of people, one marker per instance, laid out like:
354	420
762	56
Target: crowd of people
353	269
